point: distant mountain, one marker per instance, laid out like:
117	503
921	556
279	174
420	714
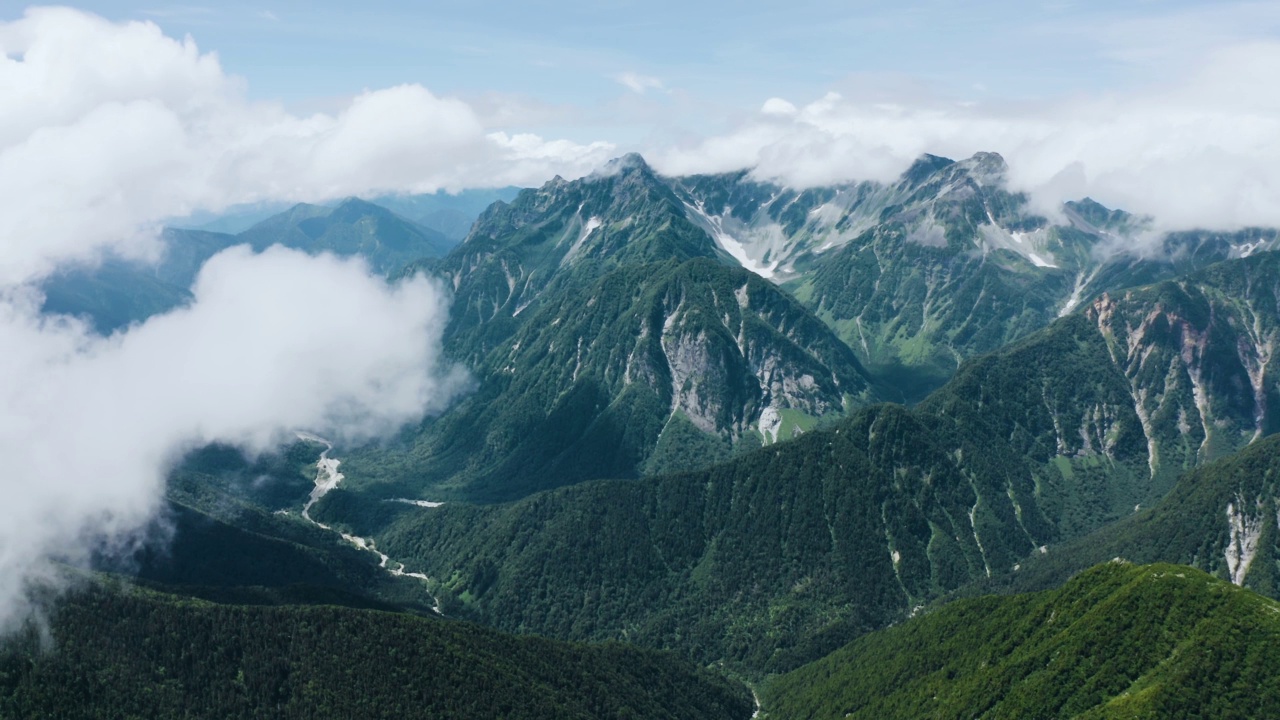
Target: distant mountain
353	227
610	338
944	263
111	650
1117	641
232	220
120	292
450	214
110	296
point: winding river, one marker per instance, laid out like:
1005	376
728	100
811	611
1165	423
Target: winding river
327	478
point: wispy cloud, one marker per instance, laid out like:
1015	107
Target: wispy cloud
1199	151
638	83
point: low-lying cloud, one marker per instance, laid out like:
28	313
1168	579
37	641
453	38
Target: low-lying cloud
271	343
1198	152
107	130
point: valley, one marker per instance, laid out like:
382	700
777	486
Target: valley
327	479
640	361
752	428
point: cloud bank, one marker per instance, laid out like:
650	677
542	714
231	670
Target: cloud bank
108	129
1198	152
271	343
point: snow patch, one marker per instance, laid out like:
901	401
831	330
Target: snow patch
1029	245
730	244
1077	292
1039	261
591	225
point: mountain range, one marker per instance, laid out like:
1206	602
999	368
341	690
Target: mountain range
755	426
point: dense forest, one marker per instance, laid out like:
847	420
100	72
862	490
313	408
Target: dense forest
113	651
1118	641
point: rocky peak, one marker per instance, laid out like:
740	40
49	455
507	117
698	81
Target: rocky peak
986	168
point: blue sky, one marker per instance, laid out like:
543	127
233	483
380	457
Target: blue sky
557	65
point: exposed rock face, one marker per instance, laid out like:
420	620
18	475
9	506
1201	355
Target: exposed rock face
1198	357
1245	530
596	315
943	264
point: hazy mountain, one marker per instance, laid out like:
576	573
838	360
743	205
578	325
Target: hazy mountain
353	227
1117	641
450	214
119	292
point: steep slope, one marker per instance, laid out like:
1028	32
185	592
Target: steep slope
850	526
943	264
115	651
763	562
625	375
610	338
1221	518
1117	401
1118	641
560	236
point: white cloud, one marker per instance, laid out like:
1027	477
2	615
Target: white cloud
637	83
119	119
1198	152
108	129
271	343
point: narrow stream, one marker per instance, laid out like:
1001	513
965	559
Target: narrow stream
327	478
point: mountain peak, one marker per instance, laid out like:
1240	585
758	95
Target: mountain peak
356	205
924	167
987	168
619	165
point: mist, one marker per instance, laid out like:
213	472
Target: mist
106	131
1197	151
271	343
